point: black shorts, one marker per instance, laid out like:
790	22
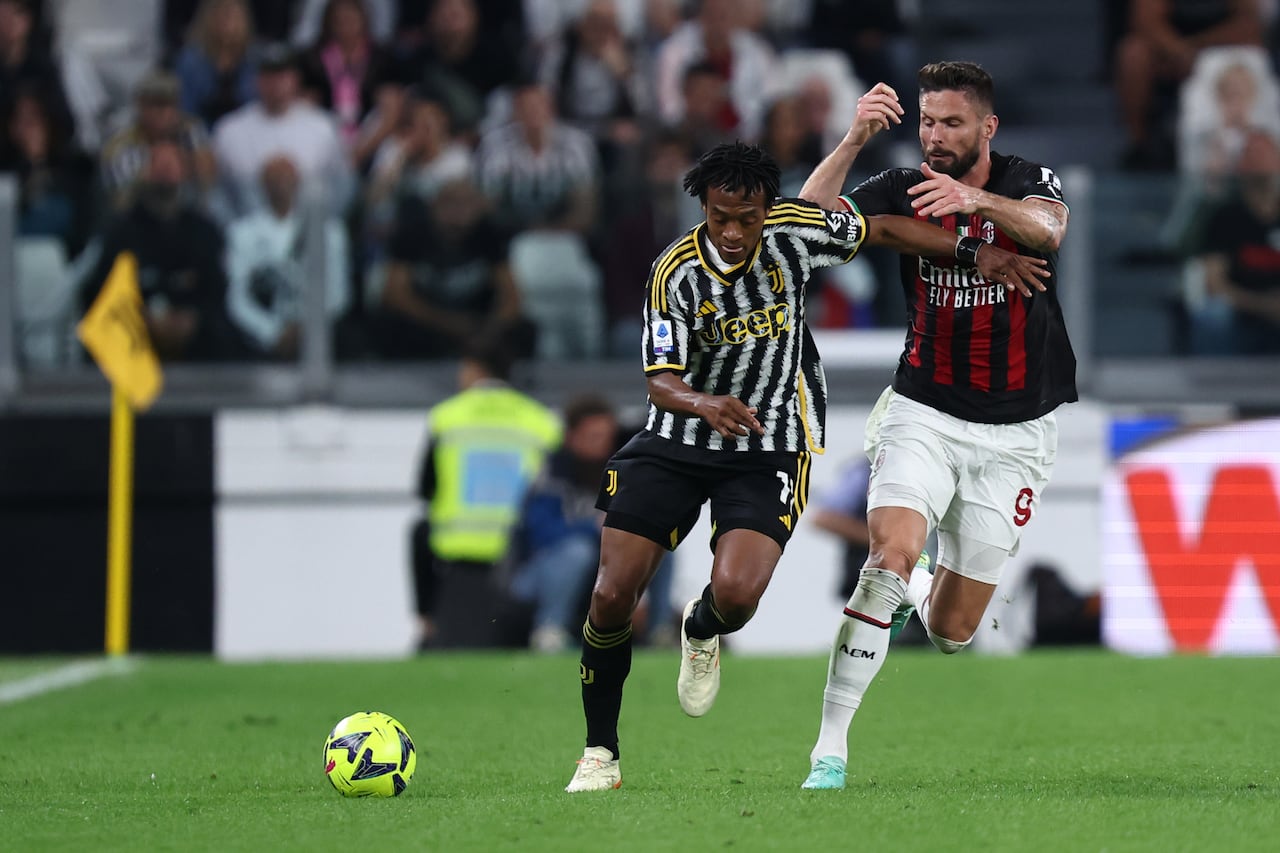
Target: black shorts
655	488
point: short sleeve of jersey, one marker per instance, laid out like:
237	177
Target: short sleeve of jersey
883	193
666	332
1036	181
831	236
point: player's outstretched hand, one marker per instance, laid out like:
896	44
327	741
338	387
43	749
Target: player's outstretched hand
1015	272
877	109
942	195
729	416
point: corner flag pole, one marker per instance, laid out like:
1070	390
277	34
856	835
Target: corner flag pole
119	523
114	331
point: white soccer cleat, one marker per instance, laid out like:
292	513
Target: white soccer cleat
699	680
597	770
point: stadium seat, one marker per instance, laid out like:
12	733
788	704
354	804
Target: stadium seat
560	291
45	304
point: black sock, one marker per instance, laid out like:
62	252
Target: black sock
706	622
606	662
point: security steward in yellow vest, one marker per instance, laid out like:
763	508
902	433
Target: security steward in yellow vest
484	446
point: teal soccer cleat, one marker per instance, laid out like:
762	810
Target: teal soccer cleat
827	774
906	608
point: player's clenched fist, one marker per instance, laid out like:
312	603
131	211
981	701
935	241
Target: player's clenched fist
877	109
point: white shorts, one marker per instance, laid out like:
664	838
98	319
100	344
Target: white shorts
977	484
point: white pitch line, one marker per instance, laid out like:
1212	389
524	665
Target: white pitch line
68	675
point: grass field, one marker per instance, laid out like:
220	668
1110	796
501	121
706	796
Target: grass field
1044	752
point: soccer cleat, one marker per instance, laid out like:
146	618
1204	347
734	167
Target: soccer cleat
699	680
827	774
597	770
906	608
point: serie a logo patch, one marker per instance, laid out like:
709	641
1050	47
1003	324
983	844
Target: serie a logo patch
663	342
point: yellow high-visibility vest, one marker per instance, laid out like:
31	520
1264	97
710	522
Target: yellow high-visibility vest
490	442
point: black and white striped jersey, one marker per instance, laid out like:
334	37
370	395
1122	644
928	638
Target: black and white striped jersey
742	332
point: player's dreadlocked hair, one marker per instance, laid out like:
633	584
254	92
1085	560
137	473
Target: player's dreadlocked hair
735	167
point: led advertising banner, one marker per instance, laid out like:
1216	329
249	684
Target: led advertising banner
1191	543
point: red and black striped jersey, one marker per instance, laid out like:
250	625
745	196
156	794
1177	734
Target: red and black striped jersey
973	349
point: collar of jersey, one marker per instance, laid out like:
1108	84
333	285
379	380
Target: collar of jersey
733	273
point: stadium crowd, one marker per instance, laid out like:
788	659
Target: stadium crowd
514	165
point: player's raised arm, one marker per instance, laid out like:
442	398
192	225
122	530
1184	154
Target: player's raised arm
909	236
877	109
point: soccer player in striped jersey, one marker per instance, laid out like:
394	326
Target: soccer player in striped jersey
964	440
737	402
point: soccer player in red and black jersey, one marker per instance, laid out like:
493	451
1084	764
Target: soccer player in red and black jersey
737	402
965	438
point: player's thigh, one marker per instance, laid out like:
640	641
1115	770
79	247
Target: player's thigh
627	564
653	497
911	465
1001	480
764	492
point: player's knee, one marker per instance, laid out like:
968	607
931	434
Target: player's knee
896	557
612	603
736	603
949	633
948	647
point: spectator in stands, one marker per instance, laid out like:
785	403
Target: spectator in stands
280	122
179	254
590	72
784	137
54	178
312	19
157	116
1236	122
558	535
272	20
1242	269
352	77
539	172
842	512
447	280
706	96
216	66
484	445
422	157
642	229
266	267
460	60
26	62
1161	46
1230	115
717	37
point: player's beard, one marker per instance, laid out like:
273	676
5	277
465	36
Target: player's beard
957	165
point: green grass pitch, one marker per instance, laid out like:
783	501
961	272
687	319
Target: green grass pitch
1044	752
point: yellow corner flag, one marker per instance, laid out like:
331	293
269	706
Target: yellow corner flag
115	333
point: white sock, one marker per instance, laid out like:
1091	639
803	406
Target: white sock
918	589
861	642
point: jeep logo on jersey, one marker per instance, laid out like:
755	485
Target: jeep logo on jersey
762	323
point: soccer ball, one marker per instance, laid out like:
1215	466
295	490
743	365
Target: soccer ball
369	755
